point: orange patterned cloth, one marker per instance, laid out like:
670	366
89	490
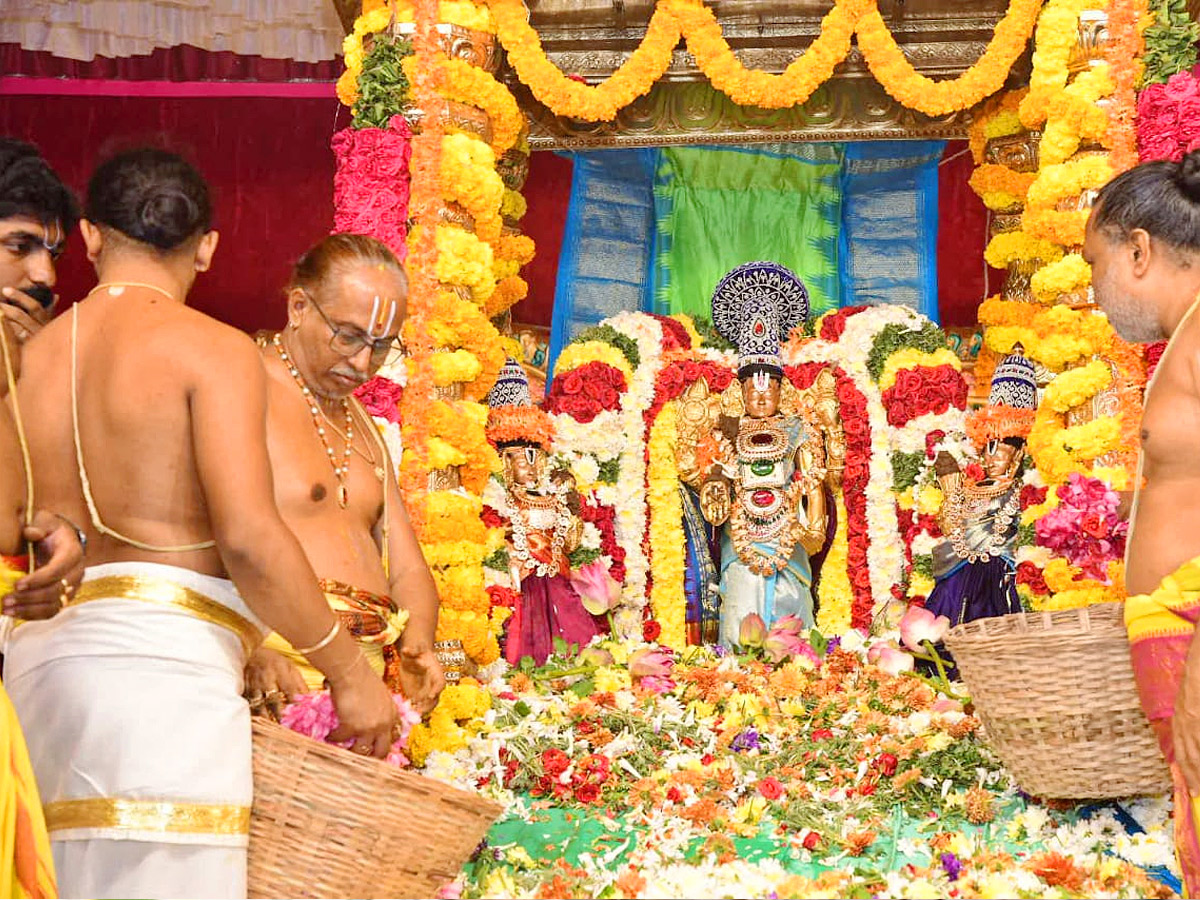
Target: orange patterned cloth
374	620
1161	628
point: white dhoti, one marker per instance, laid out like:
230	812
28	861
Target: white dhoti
130	700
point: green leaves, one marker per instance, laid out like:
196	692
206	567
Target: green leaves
1170	41
383	89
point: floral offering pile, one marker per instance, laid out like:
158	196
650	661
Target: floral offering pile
794	769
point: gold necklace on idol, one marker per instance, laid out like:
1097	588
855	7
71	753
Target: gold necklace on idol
339	471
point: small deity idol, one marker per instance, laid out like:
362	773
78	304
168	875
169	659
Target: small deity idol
542	509
767	485
974	567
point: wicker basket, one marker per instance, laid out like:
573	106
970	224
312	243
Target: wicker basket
327	823
1056	696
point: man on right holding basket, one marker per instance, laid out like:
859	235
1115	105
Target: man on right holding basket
1143	243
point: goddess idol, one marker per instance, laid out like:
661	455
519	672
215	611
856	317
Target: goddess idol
974	567
766	485
542	509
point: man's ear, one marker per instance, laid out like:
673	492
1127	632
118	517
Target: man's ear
206	249
93	239
1140	249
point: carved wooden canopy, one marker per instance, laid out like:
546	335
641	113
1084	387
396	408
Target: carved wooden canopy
591	38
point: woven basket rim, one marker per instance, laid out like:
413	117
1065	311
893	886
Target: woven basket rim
372	768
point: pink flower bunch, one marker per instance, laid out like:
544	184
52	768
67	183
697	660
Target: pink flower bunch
1084	528
370	187
381	397
1168	118
313	715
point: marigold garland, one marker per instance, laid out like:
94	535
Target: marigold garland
834	592
1127	20
575	355
1076	386
509	290
1056	36
667	598
465	83
1058	451
454	325
896	74
1064	228
1066	276
464	259
513	205
455	366
997	118
911	358
747	87
1068	179
1001	180
469	178
1014	246
463	13
520	423
568	97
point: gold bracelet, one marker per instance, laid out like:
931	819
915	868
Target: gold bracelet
345	671
323	642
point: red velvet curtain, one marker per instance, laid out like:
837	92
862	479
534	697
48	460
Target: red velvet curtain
182	63
267	161
962	235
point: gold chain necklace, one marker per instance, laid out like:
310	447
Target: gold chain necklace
117	288
339	471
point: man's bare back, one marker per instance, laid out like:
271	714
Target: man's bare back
140	360
1165	529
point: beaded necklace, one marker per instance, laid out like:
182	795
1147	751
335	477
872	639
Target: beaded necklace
339	471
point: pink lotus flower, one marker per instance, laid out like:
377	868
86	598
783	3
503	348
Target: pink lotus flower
752	631
650	662
919	624
596	588
595	656
793	624
889	658
782	644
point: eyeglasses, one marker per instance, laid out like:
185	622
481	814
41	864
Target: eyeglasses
350	343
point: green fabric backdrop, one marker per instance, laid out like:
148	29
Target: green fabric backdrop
705	196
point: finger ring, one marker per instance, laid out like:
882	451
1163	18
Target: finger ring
275	695
362	749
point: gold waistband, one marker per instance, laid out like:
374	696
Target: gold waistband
141	815
149	589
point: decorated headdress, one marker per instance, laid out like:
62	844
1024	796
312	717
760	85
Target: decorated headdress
756	306
513	419
1012	402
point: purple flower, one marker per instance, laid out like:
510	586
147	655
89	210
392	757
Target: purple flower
951	864
744	741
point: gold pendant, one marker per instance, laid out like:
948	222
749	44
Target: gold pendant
343	497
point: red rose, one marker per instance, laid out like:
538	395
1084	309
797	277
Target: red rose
1094	524
674	794
707	759
587	792
822	734
491	518
555	762
862	579
811	841
974	472
651	630
1032	496
887	763
932	439
770	787
572	383
867	788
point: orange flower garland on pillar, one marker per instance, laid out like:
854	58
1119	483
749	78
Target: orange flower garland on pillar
422	262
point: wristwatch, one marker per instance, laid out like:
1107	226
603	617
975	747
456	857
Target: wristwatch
79	533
